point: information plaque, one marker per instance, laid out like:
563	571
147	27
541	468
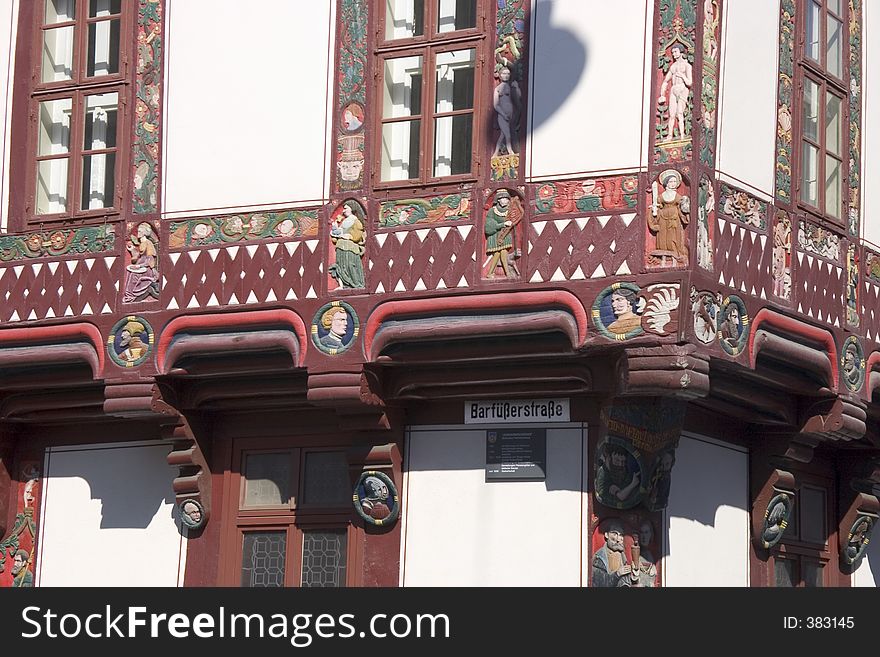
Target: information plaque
516	454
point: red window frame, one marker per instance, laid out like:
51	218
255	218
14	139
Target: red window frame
428	45
77	89
292	517
816	70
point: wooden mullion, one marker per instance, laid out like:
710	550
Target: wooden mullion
402	119
440	115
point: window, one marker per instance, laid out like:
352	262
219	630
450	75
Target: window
823	123
77	108
291	518
429	65
807	555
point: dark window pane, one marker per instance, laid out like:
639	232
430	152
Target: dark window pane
813	515
452	145
812	574
98	181
267	479
104	7
263	559
784	573
103	56
404	19
455	15
326	479
324	557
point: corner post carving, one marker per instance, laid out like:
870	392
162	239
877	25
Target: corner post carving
192	485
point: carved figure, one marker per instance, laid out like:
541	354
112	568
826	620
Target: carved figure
132	347
507	101
781	255
670	213
335	320
375	502
858	539
704	243
852	372
617	484
348	237
610	569
661	481
776	520
623	303
22	577
499	236
142	276
681	77
647	570
731	328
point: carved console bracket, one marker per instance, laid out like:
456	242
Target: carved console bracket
798	345
771	510
374	470
192	485
668	370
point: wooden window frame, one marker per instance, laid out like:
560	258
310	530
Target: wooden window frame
428	46
828	83
77	89
292	517
800	551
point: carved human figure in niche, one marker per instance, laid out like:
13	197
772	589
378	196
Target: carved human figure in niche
347	235
499	230
617	483
647	571
22	577
375	501
730	328
142	276
610	568
131	346
781	255
661	481
670	213
681	77
623	303
852	366
335	320
507	101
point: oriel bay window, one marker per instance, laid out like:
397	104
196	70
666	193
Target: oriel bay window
429	57
291	515
823	121
77	108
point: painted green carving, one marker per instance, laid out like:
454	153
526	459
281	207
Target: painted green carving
406	212
96	239
785	98
855	114
148	105
243	228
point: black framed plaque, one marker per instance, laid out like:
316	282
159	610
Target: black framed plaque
516	454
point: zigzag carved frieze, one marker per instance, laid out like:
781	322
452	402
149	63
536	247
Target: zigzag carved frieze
583	248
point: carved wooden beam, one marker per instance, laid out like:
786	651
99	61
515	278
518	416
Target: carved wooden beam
676	370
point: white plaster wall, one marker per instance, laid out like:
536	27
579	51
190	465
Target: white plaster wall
587	85
8	23
246	103
871	121
868	572
747	93
108	517
461	531
707	532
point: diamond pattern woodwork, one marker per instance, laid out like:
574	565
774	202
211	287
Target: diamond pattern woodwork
242	275
423	259
870	300
59	288
743	259
583	247
819	289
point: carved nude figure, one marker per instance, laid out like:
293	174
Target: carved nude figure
680	75
506	101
